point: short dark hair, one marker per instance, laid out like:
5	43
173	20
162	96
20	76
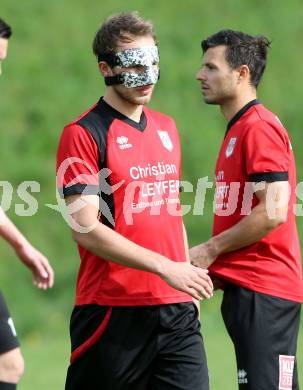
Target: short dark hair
117	28
241	49
5	30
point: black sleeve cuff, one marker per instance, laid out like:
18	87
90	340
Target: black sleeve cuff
268	177
75	189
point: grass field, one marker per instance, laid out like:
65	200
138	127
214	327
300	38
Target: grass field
50	77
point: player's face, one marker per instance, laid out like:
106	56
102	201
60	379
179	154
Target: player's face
3	50
218	80
139	95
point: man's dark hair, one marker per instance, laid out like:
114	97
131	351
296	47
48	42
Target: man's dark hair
5	30
241	49
117	28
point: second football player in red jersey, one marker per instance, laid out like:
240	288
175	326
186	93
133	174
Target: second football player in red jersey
134	325
254	250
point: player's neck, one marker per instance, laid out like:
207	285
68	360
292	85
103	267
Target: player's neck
231	107
132	111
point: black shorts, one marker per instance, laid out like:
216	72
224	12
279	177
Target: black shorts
8	336
137	348
264	330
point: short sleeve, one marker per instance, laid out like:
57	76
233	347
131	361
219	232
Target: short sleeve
267	153
77	162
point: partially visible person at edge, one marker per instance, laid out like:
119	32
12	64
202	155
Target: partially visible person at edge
11	360
254	252
134	325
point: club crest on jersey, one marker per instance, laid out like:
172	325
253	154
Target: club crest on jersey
230	147
122	141
166	141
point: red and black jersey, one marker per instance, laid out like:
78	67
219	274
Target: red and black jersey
256	149
135	170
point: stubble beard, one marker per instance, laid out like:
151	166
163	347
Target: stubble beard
129	95
212	98
219	99
211	101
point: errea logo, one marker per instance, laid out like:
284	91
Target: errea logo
242	377
122	141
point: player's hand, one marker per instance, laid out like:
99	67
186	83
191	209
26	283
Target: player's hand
201	256
189	279
43	274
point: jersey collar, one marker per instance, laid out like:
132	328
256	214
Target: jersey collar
117	114
238	115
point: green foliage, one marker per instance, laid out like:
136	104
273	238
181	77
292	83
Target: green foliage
50	77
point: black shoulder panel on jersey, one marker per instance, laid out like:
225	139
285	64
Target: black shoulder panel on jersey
97	122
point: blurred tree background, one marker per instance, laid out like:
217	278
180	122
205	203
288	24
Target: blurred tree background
50	77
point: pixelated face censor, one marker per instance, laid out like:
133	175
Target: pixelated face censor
147	57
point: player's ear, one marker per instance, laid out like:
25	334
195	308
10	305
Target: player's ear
244	73
105	69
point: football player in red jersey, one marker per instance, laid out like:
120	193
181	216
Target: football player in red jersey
134	325
11	360
254	253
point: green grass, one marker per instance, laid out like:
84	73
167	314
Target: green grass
46	362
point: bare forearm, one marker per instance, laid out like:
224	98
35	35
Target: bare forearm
249	230
108	244
268	214
10	233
